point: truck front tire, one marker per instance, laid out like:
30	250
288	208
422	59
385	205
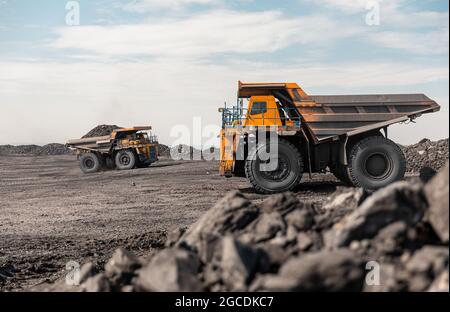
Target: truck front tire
125	160
283	178
376	162
90	163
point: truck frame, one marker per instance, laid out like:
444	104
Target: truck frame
123	149
346	134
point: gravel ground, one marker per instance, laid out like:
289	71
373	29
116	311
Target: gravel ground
51	213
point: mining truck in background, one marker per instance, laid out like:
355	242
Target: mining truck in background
347	134
123	149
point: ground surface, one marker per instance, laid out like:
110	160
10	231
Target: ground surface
51	213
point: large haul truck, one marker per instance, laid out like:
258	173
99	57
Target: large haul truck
301	133
123	149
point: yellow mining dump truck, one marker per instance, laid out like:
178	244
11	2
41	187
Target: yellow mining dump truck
124	149
281	132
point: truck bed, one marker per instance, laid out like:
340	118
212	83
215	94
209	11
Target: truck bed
100	144
334	115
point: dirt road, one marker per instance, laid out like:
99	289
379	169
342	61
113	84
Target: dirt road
51	213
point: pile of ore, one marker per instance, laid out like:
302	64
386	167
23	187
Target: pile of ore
54	149
185	152
19	149
35	150
283	244
164	150
101	130
426	155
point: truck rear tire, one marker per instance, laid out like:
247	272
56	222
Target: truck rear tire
284	178
125	160
90	163
376	162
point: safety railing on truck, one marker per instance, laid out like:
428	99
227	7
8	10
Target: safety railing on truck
237	117
153	139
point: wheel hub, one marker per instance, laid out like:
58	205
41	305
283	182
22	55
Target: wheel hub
124	159
282	171
89	163
378	165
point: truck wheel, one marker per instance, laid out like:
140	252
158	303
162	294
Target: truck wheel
375	162
342	174
283	178
142	162
125	160
90	163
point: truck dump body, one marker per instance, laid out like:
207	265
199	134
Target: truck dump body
102	143
334	115
328	116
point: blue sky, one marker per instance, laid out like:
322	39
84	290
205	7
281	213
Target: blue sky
167	62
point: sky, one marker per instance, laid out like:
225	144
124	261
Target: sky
67	66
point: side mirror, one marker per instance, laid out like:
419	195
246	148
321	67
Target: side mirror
221	110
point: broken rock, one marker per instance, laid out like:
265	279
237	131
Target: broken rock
425	265
390	239
267	227
238	263
340	270
304	241
174	236
440	284
438	198
171	270
345	199
97	283
87	271
282	203
230	215
400	201
120	268
301	219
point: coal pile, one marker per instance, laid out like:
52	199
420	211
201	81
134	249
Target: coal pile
101	130
54	149
35	150
185	152
164	150
19	150
426	154
283	244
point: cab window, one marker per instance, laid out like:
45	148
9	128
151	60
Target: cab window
259	108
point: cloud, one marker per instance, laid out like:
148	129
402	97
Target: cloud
203	35
393	13
357	6
414	20
56	101
435	42
401	25
141	6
